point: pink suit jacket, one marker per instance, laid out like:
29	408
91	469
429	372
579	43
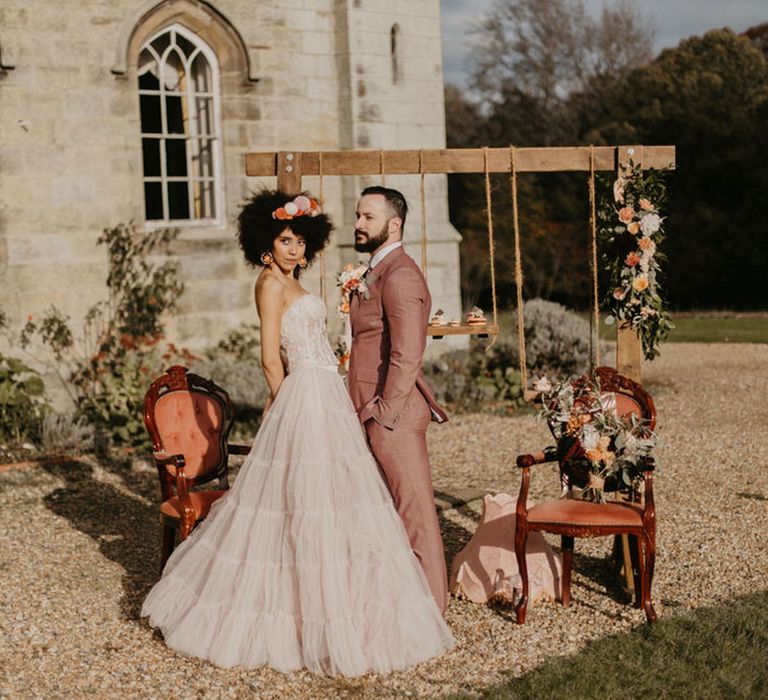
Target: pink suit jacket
389	338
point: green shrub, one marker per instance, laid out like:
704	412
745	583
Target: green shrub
107	373
556	339
235	365
65	434
557	344
22	402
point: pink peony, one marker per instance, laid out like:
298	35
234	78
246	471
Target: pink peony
645	243
626	214
632	259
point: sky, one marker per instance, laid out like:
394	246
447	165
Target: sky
673	19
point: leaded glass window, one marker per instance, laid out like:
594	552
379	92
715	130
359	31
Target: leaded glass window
180	128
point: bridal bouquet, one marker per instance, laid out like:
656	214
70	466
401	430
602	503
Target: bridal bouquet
631	229
351	281
604	451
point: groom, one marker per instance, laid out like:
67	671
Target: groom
386	383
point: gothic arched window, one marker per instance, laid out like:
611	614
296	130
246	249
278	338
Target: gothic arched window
180	128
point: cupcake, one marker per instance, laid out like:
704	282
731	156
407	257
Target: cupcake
476	317
438	319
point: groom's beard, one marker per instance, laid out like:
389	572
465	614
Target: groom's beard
370	243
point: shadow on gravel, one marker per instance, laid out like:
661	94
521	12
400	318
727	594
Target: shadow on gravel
454	536
123	521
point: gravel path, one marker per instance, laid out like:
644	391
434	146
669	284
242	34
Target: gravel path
79	549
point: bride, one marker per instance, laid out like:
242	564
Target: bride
304	563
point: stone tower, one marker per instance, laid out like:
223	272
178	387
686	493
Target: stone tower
126	110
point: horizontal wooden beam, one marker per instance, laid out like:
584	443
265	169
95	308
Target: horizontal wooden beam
458	160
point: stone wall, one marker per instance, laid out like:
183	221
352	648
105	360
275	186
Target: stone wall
295	74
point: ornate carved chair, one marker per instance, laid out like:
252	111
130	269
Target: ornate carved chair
571	518
189	419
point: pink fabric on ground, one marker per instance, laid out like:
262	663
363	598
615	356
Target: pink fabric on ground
487	567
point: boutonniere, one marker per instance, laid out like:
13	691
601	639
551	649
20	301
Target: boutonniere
351	281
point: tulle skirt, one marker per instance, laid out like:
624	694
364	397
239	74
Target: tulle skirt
304	563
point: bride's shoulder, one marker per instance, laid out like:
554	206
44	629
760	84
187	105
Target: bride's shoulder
269	290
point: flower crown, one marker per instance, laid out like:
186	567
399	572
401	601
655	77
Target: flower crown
299	206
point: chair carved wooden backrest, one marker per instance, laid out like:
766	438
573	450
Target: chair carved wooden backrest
573	518
190	415
189	419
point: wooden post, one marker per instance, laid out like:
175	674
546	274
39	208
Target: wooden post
629	352
289	171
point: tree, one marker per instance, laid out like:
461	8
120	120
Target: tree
531	57
709	97
535	54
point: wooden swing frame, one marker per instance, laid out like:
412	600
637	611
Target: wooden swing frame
291	166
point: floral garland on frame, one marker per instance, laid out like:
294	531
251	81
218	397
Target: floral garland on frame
631	229
603	450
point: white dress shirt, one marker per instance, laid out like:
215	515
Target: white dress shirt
382	253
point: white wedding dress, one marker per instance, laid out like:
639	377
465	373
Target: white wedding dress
304	563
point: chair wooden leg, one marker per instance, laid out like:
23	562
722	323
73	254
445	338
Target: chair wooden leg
521	538
169	543
638	567
650	563
566	545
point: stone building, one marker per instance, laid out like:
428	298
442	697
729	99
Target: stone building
129	110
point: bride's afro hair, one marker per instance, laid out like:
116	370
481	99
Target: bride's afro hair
257	229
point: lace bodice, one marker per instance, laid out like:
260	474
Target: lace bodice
303	336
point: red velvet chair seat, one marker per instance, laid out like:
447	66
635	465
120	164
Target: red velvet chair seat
201	504
586	514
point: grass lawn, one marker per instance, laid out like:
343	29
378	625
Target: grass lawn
701	328
711	653
690	327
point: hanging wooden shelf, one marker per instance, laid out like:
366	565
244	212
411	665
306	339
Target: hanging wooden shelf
438	332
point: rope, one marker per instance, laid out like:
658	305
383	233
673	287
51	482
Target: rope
491	245
594	319
381	168
518	270
321	197
423	215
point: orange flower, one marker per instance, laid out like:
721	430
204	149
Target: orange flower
640	283
626	214
29	318
632	259
344	307
633	227
619	293
645	243
645	205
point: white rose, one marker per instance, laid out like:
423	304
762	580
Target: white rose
650	223
590	437
291	209
302	202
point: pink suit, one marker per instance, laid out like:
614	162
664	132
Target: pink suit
395	404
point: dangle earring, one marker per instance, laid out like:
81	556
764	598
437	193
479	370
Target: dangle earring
303	263
266	258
